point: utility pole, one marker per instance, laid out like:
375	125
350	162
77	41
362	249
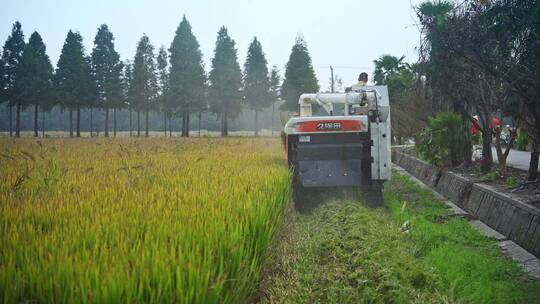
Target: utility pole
332	78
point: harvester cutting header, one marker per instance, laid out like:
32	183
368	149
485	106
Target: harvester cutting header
347	146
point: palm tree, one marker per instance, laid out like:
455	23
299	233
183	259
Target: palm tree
386	66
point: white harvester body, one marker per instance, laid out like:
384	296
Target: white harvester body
349	145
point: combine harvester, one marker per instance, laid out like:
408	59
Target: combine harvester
350	150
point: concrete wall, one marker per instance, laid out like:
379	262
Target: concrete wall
454	187
422	170
518	221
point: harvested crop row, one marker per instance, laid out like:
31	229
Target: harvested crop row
410	251
127	220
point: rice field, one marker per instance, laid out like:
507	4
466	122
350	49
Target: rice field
137	220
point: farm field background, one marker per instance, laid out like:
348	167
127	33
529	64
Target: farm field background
137	220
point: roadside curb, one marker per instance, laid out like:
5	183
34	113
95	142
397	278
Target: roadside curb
502	212
457	189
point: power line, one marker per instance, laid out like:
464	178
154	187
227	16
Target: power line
343	67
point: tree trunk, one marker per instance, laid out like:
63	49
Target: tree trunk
226	124
78	121
138	123
170	125
465	155
486	133
146	126
43	123
106	122
224	131
18	121
256	123
468	153
200	115
70	122
185	123
130	125
36	112
114	122
223	124
91	122
533	166
487	156
535	153
273	110
10	120
502	156
165	123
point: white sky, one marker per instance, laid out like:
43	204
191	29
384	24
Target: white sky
342	33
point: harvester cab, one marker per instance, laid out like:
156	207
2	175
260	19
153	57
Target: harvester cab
346	145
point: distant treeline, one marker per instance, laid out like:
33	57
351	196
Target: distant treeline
157	90
57	119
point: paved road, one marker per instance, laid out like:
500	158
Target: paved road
516	159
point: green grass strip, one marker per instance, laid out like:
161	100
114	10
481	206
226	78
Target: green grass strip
471	265
344	252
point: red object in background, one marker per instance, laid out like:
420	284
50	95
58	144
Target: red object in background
495	122
475	127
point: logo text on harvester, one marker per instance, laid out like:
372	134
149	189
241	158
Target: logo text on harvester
329	126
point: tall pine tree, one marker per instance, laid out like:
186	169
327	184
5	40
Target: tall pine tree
187	79
107	69
2	81
33	83
144	85
73	79
256	81
225	80
299	76
127	92
163	84
275	80
116	93
92	100
11	58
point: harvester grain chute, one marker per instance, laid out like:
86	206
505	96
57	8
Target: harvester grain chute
346	147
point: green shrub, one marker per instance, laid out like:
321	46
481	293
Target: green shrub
444	141
512	182
491	177
522	141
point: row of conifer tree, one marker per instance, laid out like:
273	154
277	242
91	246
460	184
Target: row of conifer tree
171	81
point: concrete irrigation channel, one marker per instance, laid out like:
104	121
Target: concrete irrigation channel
414	249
